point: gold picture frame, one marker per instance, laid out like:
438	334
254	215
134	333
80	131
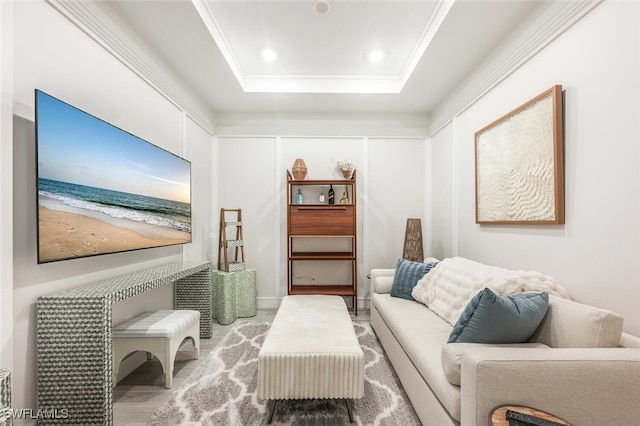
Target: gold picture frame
519	163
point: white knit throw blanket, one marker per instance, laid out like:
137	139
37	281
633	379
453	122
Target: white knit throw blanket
449	287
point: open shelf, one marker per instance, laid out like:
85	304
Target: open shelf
333	290
322	232
322	256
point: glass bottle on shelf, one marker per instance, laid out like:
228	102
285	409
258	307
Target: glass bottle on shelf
332	199
299	198
321	197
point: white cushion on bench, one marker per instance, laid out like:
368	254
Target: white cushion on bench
166	323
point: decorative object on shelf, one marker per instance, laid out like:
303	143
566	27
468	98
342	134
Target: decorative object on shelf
346	167
345	198
299	169
299	197
519	164
321	197
413	241
332	195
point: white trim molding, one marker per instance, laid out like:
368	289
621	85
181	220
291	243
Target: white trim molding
554	21
97	25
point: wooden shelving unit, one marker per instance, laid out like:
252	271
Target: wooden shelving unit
331	225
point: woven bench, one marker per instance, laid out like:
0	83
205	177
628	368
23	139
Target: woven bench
158	333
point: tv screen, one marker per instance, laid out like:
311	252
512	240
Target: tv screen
103	190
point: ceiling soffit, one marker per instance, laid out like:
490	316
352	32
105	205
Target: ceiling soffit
328	52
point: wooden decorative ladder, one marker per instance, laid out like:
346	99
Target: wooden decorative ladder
237	243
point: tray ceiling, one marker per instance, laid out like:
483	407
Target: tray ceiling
428	48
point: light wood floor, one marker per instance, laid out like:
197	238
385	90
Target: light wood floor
138	395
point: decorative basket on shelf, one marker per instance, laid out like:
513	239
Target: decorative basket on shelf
299	169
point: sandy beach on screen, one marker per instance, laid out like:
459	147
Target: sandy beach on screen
66	235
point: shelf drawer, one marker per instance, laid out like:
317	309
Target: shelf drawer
322	220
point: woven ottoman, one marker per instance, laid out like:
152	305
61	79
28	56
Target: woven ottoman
311	352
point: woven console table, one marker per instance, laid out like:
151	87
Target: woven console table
5	398
74	351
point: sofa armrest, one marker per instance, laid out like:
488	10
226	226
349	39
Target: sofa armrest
381	280
581	386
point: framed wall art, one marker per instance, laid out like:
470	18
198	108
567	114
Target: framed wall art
520	164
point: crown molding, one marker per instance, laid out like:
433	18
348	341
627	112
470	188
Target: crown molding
322	125
97	25
554	21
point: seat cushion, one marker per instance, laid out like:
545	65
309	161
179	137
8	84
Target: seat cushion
165	323
452	356
421	334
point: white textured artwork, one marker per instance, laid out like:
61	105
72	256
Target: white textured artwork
516	166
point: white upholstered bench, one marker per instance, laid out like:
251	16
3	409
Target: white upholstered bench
158	333
311	352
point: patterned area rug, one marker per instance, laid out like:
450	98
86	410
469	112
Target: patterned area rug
222	389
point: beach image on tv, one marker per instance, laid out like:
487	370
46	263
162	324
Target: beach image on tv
103	190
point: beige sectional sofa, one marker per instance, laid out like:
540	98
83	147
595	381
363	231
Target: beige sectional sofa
578	365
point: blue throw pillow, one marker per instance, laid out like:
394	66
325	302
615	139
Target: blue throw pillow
492	318
406	277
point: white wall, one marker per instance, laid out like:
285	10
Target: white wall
443	188
395	191
246	175
197	147
594	255
391	188
54	55
6	184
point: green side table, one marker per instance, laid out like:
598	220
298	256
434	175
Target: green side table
234	295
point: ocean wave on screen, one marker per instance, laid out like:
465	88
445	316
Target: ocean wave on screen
119	212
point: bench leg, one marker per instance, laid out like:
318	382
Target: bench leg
271	406
349	403
169	356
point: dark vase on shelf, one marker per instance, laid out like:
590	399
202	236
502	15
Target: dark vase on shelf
332	195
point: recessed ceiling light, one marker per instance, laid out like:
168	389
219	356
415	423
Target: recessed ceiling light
375	55
322	7
269	55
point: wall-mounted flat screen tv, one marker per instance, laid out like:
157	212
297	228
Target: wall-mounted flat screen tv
103	190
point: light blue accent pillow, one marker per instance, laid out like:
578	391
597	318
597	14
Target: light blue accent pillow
406	277
492	318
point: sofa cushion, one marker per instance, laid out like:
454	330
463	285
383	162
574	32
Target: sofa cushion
383	284
455	281
421	333
407	275
571	324
451	356
492	318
